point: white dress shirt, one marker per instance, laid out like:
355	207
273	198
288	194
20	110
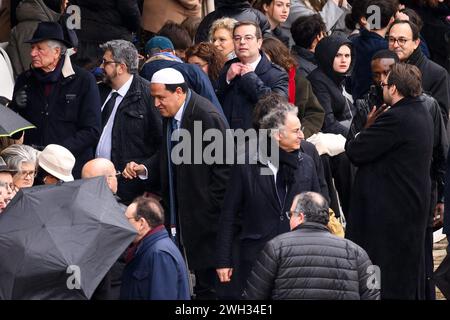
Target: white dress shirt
104	145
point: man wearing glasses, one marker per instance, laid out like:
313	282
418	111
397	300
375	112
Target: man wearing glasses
131	125
389	207
404	41
248	77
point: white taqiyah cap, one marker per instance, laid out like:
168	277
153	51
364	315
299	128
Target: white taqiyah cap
168	76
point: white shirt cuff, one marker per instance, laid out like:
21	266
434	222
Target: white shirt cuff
144	176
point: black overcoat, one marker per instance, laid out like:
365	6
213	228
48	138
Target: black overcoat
391	194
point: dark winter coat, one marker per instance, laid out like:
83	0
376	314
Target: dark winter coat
239	98
241	10
29	14
305	60
252	201
440	148
435	80
136	136
193	75
310	263
390	202
157	271
70	116
108	19
281	35
328	85
364	46
200	188
446	228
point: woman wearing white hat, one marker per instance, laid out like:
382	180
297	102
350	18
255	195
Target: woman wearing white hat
57	163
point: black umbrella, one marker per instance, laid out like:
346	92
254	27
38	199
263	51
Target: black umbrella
58	242
11	122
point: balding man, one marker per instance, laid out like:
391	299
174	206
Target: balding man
109	288
101	167
153	256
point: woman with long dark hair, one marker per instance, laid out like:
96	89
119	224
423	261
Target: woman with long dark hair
277	12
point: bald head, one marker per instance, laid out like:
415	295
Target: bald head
101	167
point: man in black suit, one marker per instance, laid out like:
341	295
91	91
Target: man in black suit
258	202
192	190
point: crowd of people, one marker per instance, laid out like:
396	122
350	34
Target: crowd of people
336	112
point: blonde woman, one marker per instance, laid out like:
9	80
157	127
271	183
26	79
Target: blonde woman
221	35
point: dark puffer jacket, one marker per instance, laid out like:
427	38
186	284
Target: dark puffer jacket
311	263
241	10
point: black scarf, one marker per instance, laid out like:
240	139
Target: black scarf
415	56
49	77
288	165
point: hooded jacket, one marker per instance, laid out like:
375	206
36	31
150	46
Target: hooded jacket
29	14
328	85
241	10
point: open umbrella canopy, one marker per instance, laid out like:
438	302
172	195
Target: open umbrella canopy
11	122
58	242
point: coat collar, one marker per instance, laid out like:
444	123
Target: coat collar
150	240
416	57
311	226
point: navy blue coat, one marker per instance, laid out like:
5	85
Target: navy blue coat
157	271
364	46
252	201
196	79
70	116
240	96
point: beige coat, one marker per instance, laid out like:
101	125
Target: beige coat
157	12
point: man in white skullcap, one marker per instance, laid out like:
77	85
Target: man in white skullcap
192	190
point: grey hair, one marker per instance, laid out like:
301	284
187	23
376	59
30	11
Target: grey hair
223	23
124	52
276	118
17	154
57	44
314	207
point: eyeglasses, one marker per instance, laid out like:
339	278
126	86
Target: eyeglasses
382	84
400	41
106	62
24	174
247	38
